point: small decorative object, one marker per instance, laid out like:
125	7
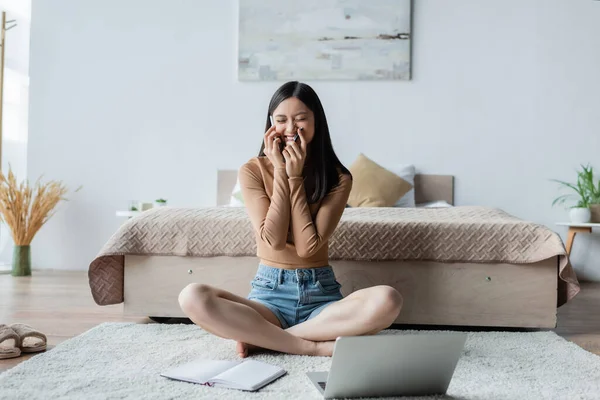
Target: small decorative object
586	196
25	210
160	202
328	40
145	206
134	205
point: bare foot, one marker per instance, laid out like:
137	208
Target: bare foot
244	349
323	349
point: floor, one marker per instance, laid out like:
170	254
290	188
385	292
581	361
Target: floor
59	304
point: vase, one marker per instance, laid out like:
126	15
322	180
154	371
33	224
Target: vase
580	215
21	264
595	210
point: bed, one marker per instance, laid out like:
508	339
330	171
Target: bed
465	266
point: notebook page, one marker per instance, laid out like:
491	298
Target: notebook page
199	371
250	375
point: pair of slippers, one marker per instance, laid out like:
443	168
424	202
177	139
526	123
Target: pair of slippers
20	338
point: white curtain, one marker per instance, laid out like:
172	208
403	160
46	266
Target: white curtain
16	103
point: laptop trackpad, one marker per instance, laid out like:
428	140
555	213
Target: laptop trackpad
319	379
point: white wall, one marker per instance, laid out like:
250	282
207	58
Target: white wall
139	99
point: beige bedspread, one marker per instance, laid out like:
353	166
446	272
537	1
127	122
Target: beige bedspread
458	234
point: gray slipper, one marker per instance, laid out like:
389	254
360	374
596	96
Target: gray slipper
8	349
31	340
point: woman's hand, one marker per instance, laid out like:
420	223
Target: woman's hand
272	141
295	156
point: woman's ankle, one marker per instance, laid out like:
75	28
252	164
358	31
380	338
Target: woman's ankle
325	349
320	349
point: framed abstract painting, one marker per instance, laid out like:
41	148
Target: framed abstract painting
324	40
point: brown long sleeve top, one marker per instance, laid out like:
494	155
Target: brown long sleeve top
290	233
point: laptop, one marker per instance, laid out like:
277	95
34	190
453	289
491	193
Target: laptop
391	365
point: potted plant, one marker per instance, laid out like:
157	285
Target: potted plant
160	202
586	196
594	198
25	210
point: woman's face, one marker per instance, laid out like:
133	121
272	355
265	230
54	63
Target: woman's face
290	115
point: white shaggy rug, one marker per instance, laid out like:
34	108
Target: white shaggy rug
123	360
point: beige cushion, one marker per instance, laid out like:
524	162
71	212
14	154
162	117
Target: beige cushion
375	186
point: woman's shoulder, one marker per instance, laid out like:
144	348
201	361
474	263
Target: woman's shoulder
345	177
259	162
256	166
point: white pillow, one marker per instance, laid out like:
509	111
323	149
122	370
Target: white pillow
406	172
236	199
435	204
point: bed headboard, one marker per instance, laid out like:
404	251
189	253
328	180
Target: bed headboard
433	188
427	187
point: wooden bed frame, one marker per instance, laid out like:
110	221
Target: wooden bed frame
464	294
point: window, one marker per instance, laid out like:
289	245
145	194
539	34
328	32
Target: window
15	103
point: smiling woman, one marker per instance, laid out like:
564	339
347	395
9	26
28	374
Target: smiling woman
296	108
295	193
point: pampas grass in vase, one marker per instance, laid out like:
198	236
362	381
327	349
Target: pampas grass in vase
25	210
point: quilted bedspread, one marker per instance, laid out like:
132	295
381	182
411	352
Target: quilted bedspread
457	234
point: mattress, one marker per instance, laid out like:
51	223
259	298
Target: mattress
458	234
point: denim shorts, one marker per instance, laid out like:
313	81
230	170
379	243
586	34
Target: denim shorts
295	295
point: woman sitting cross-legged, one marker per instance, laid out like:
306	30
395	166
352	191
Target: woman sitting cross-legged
295	192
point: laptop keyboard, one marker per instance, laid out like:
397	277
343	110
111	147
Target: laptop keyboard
322	384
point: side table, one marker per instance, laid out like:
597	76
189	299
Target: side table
574	229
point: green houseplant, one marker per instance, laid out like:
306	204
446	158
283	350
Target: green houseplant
594	198
160	202
25	209
586	196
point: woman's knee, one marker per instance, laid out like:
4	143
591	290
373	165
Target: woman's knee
197	299
388	301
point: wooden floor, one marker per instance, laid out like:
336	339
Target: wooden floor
60	305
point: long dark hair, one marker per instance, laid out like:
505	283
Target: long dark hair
321	172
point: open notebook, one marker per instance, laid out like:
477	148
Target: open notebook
243	375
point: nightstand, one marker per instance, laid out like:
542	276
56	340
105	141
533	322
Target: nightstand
128	214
